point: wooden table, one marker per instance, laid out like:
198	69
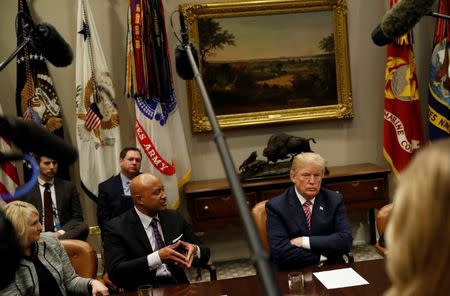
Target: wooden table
373	271
212	206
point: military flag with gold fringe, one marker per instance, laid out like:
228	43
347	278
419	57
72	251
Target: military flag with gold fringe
97	122
403	131
159	132
36	98
439	82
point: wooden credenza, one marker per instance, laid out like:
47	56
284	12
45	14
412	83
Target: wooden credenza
211	204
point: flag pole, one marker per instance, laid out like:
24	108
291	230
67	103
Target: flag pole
263	265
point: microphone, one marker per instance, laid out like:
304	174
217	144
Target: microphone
46	40
400	19
30	137
182	65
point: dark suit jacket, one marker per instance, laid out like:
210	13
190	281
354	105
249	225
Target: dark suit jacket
68	205
111	200
126	247
330	236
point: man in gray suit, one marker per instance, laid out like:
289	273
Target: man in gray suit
58	202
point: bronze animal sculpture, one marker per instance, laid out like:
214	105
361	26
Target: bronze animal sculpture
282	146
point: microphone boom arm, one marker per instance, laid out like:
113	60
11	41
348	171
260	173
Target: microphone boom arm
265	270
439	15
6	61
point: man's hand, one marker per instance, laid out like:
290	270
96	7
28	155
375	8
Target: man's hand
191	252
298	241
168	254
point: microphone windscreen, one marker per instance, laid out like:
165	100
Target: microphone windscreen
30	137
379	38
51	45
404	16
182	64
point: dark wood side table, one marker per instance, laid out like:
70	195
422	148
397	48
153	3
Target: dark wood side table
211	204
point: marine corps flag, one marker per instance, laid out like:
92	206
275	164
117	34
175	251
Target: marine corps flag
403	132
159	132
439	84
36	98
97	122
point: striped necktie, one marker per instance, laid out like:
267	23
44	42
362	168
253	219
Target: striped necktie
306	208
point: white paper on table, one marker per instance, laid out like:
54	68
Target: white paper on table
340	278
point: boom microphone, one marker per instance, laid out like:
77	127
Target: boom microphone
30	137
182	65
46	40
400	19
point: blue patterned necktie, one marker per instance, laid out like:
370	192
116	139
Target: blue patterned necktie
159	242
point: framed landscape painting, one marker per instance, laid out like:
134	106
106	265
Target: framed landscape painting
266	62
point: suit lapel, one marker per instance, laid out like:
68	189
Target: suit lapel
136	224
59	197
167	228
297	213
36	199
318	211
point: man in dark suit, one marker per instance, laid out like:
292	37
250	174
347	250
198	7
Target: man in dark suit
307	224
150	244
114	194
58	202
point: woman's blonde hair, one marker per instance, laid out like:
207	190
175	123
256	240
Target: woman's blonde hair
19	213
418	234
305	158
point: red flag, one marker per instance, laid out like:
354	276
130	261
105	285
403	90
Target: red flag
403	130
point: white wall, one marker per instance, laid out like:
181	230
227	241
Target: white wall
339	141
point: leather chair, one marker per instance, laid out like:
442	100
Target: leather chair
381	221
259	216
82	257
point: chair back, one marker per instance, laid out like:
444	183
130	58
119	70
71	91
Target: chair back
259	216
82	257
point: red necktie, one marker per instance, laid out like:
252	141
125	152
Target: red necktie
48	209
307	210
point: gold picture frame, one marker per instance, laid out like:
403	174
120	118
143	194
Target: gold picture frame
300	73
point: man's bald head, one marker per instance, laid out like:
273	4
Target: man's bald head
148	194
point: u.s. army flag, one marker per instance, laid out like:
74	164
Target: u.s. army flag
159	132
97	122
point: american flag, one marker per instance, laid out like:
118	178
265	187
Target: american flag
93	117
9	179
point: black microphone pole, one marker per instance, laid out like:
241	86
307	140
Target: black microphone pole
263	265
439	15
6	61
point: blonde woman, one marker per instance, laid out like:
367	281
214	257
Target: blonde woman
418	234
45	268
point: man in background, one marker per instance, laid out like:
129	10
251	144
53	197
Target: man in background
114	196
307	224
149	244
58	202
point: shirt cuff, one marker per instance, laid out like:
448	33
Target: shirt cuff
305	243
153	260
198	252
61	231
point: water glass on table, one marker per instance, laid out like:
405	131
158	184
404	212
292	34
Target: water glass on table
145	290
296	282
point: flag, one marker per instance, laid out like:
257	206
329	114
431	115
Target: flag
159	132
36	98
9	179
97	119
403	131
439	82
